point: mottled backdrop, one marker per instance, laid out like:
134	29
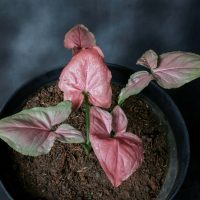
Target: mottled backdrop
31	43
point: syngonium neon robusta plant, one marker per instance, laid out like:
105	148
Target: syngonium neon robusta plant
86	80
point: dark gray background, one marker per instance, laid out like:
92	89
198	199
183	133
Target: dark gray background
31	43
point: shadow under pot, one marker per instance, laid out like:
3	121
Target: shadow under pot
68	173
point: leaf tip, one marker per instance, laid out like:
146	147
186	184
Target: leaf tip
149	59
79	37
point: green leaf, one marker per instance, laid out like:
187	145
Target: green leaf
136	83
176	69
30	131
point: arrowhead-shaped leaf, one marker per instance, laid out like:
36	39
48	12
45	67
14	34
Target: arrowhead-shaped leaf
149	59
136	83
30	131
86	73
176	69
79	37
119	156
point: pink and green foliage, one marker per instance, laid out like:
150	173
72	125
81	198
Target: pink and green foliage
137	82
120	154
30	131
78	38
176	69
169	70
149	59
86	80
86	73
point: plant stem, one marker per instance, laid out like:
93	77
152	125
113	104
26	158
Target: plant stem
87	123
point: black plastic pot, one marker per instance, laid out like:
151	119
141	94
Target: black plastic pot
163	107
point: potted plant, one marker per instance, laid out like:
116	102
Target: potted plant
86	86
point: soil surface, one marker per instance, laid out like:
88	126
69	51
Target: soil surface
68	173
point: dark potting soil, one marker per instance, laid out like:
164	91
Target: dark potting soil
68	173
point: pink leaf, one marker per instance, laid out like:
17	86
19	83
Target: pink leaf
137	82
100	121
30	131
79	37
68	134
98	49
176	69
75	96
149	59
119	122
86	73
119	156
